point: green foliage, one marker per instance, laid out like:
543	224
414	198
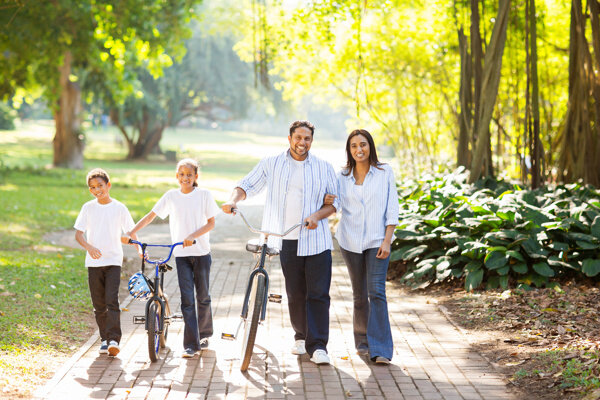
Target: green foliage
493	233
7	117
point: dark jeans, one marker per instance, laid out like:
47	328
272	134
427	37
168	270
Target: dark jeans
194	273
104	289
307	281
371	320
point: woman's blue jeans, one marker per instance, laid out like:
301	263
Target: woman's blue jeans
193	273
371	320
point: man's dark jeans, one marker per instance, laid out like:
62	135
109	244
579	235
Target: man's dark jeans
193	273
104	288
307	282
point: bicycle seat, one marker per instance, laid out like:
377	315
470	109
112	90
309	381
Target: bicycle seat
255	246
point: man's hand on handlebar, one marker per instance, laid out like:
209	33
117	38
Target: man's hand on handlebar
311	222
228	207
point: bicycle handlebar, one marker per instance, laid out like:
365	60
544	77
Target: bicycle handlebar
159	261
266	233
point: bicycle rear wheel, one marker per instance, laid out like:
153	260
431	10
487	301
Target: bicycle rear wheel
255	305
165	330
153	319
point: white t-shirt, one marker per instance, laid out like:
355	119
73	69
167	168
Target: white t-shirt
293	200
187	213
103	225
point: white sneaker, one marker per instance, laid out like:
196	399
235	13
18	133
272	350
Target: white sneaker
103	347
320	357
113	348
298	348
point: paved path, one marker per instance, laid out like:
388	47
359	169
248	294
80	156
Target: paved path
432	359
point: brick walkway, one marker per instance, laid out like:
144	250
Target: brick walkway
432	359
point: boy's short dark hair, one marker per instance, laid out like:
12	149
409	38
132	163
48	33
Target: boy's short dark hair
300	124
97	173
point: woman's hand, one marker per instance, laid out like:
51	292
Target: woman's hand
329	198
384	250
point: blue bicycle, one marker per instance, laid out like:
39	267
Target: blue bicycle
158	313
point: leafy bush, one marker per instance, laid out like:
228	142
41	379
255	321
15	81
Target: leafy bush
493	232
7	117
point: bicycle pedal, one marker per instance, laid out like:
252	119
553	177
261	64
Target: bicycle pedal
274	298
139	319
227	336
177	316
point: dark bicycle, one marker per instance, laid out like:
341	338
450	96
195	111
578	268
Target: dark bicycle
158	313
254	307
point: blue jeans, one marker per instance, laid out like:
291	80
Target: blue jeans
307	282
193	273
371	320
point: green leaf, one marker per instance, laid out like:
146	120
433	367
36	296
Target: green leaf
405	235
504	270
533	248
543	269
515	254
520	268
414	252
473	279
591	267
595	227
504	282
587	245
496	259
558	246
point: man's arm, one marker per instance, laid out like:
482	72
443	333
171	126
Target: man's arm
325	211
237	195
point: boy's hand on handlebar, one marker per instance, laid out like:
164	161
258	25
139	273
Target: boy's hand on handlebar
329	198
311	222
228	207
188	241
125	239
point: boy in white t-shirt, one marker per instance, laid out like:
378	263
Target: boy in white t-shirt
99	228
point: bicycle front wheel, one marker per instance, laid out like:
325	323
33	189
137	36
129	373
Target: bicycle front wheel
153	319
255	305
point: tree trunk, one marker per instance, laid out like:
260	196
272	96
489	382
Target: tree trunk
463	155
536	145
489	90
68	140
579	158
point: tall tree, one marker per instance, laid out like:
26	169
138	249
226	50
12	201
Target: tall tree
580	139
489	90
53	44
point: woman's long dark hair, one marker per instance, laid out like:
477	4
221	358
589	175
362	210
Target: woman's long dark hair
351	163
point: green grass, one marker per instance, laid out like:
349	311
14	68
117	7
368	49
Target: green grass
43	288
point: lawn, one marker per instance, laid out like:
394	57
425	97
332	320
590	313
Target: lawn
45	310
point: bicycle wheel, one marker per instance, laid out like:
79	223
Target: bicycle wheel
153	319
165	332
256	300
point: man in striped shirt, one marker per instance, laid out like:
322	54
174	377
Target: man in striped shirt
296	183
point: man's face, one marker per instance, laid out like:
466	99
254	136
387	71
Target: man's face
300	141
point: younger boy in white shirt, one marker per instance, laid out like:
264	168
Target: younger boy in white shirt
99	228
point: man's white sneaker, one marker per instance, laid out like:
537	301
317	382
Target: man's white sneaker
299	348
320	357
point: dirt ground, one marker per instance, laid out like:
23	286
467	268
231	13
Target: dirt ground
546	342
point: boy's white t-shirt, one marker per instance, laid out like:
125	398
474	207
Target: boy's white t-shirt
103	225
187	213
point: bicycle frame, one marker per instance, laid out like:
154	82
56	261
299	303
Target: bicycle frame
160	267
259	267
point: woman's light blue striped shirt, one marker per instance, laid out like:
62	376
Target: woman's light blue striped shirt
319	179
365	217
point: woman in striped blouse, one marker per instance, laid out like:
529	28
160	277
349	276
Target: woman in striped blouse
369	206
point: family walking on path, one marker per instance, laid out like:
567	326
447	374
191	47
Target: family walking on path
345	341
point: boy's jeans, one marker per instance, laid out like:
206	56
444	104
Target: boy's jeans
193	272
104	289
371	320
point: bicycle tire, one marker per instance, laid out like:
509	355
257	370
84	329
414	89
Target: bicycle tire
153	329
256	300
163	336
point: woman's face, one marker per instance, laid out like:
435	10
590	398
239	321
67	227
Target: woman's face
359	148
